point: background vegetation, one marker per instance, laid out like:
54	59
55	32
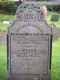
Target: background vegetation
10	7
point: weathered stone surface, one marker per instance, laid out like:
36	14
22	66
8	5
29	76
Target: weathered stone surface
29	44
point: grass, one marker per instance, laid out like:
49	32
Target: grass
57	23
55	50
56	60
3	26
3	62
6	17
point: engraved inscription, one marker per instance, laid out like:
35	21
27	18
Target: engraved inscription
29	52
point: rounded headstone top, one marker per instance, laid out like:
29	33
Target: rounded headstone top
31	12
30	15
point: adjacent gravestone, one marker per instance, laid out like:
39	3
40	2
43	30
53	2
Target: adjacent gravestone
55	31
55	18
29	44
3	36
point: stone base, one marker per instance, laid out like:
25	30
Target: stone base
29	77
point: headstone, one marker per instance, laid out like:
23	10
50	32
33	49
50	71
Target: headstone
29	44
55	18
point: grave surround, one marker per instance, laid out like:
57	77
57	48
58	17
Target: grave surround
29	43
